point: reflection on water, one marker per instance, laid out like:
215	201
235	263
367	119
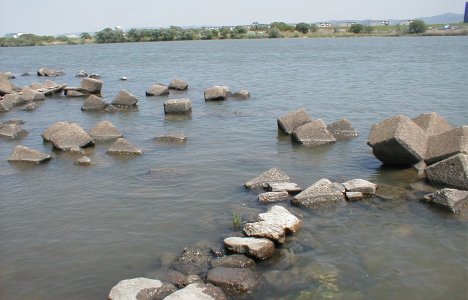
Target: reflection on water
72	232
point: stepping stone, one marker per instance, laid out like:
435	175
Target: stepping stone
289	187
234	281
270	197
367	188
178	106
141	288
258	248
321	194
25	154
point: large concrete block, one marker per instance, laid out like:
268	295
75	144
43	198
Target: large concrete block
320	194
398	141
292	120
178	106
447	144
432	123
314	133
452	172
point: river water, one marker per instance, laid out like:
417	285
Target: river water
69	232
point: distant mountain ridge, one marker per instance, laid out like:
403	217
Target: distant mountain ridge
444	19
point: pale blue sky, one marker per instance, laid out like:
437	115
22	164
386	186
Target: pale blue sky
63	16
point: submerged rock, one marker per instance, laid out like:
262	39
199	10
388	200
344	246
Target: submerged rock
157	90
216	93
192	261
354	196
241	95
29	95
178	84
25	154
292	120
123	147
234	281
452	172
273	175
12	131
73	93
124	99
175	138
313	133
49	72
81	73
342	129
83	161
198	291
258	248
141	289
93	103
6	87
290	187
91	85
320	194
270	197
105	131
178	106
172	276
67	136
233	261
398	141
450	199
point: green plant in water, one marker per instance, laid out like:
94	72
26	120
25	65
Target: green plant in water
236	220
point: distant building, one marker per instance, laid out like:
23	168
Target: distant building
325	25
14	35
405	22
465	20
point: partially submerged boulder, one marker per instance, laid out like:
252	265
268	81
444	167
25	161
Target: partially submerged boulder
83	161
174	138
273	175
342	129
216	93
124	99
192	261
67	136
12	131
93	103
320	194
178	106
105	131
49	72
258	248
313	133
29	95
141	288
25	154
432	123
233	261
123	147
73	93
198	291
9	101
234	281
365	187
92	86
270	197
292	120
451	172
446	144
398	141
451	199
178	84
157	90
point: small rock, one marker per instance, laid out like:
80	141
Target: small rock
241	95
198	291
354	196
123	78
273	175
178	84
49	72
141	289
123	147
178	106
83	161
367	188
157	90
105	131
342	129
12	131
73	93
290	187
292	120
216	93
450	199
258	248
81	74
93	103
111	108
234	281
192	261
420	168
91	85
193	279
94	76
29	107
25	154
314	133
320	194
270	197
26	74
452	172
233	261
124	99
176	138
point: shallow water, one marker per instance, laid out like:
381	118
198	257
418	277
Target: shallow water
72	232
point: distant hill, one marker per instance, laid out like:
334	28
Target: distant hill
444	19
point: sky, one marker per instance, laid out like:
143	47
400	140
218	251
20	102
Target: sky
64	16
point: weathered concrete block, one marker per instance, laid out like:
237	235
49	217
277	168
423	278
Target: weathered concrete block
258	248
354	196
25	154
92	103
292	120
320	194
447	144
270	197
267	230
105	131
452	172
124	99
83	161
91	85
175	138
241	95
273	175
178	106
450	199
67	136
140	288
157	90
432	123
398	141
216	93
342	129
234	281
367	188
314	133
12	131
123	147
178	84
282	217
290	187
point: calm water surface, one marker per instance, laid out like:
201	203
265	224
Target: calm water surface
68	232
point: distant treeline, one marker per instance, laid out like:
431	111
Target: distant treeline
254	31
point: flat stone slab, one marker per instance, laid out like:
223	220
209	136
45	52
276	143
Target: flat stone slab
270	197
451	172
12	131
290	187
178	84
354	196
25	154
234	281
174	138
321	194
450	199
446	144
157	90
398	141
123	147
273	175
365	187
198	291
124	99
258	248
342	129
233	261
105	131
263	229
282	217
432	123
140	288
178	106
67	136
314	133
292	120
